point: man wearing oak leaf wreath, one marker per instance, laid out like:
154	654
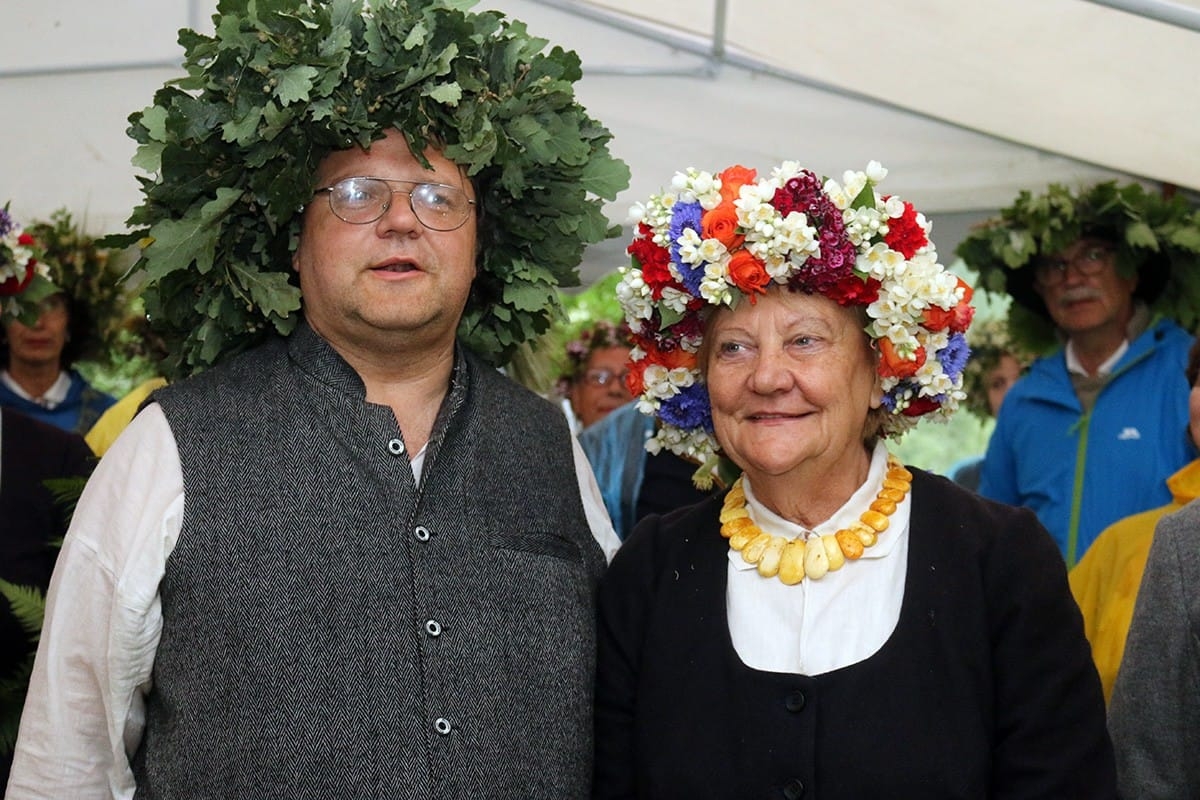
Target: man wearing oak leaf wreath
348	558
835	624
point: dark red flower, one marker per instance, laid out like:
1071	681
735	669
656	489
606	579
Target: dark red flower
905	235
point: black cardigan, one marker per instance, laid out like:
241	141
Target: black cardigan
986	688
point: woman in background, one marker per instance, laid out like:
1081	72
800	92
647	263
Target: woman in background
593	378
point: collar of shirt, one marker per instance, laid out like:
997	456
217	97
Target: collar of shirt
1106	368
847	515
50	399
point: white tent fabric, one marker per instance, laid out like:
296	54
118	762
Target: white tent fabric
965	101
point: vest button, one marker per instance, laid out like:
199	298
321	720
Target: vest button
433	628
793	789
421	533
396	447
794	701
442	726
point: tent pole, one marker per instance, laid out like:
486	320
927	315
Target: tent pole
1167	11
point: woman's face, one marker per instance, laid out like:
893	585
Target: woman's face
792	379
43	342
600	388
1000	379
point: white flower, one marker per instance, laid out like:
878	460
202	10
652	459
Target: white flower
689	243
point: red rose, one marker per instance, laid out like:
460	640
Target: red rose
653	260
854	291
919	406
15	285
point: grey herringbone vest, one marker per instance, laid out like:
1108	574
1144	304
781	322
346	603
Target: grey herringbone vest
332	630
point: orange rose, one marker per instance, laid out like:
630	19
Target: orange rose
721	224
675	359
894	365
957	319
747	273
733	179
635	378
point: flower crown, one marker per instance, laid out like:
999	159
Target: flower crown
599	335
24	278
990	342
716	239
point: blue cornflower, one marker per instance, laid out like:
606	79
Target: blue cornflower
689	409
953	356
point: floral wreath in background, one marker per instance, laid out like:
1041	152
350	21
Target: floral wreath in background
24	274
1157	237
989	341
718	239
91	275
596	336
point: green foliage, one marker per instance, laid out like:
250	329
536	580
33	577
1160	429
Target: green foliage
234	145
12	699
29	607
28	604
937	445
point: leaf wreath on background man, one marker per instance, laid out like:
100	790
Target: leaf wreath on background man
1157	237
233	148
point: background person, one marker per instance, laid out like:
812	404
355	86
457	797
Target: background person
1091	433
31	524
995	365
1105	581
37	378
1155	711
593	376
44	377
751	645
633	481
355	560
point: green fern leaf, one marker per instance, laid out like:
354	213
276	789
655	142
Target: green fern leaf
28	605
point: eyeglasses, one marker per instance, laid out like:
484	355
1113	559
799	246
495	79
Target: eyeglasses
603	377
1052	270
363	200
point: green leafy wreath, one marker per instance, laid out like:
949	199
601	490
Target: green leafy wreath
235	144
1157	237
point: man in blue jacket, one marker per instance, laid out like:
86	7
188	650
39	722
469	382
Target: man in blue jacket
1090	434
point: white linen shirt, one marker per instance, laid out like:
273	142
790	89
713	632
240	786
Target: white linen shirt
85	711
818	626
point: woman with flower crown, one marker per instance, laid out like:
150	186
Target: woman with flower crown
834	625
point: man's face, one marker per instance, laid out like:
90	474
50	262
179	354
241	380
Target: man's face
364	283
1083	291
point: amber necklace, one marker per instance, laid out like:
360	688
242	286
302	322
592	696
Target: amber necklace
794	559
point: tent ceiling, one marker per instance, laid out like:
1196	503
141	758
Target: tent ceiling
1077	78
965	101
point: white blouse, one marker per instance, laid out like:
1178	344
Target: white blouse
819	626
